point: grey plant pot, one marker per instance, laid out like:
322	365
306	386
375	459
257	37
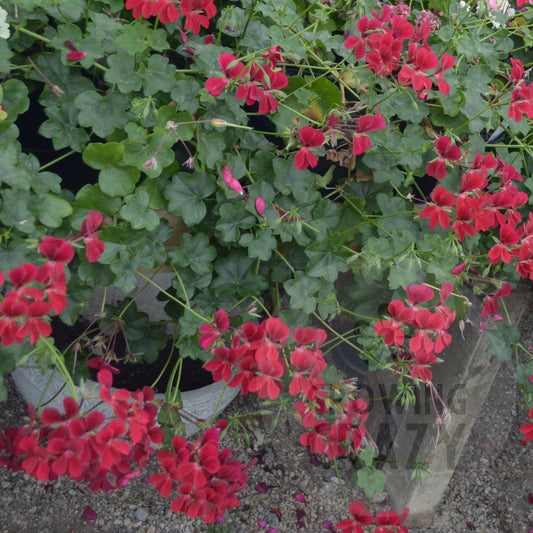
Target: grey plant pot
50	388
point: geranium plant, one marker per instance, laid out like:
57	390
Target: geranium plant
288	161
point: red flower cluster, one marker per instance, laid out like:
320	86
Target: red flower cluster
428	325
78	446
197	13
206	479
479	207
258	362
381	43
361	517
447	152
23	308
257	83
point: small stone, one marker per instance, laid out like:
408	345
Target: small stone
141	513
32	510
484	445
5	484
380	497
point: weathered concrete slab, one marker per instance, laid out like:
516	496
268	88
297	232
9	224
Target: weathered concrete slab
463	382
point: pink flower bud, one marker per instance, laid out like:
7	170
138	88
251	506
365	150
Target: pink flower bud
232	183
458	269
260	206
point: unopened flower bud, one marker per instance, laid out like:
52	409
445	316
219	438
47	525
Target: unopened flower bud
218	122
151	163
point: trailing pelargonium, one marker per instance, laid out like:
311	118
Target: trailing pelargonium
105	454
256	358
40	290
418	332
382	43
197	13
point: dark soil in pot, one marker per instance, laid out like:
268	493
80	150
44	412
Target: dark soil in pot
136	375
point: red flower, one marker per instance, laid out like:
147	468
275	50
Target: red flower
419	60
74	54
274	56
141	8
56	249
447	152
417	294
360	517
197	13
23	274
215	86
391	330
518	70
436	213
94	247
211	333
309	138
166	10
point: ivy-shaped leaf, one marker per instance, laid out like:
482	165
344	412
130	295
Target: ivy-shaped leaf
236	276
137	212
502	340
185	195
260	245
194	251
159	75
301	289
51	210
371	480
102	114
234	217
122	72
63	128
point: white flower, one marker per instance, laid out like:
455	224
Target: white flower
4	26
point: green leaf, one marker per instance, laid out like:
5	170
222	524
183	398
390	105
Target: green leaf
137	212
137	37
405	270
366	455
260	245
52	210
211	146
11	172
236	276
234	217
159	75
371	481
327	259
5	55
185	196
102	114
15	98
91	197
118	180
524	371
502	340
185	94
15	212
301	290
63	128
194	251
133	38
385	168
122	72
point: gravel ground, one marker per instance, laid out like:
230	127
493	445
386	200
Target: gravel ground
488	492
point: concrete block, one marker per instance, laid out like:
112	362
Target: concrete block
463	382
